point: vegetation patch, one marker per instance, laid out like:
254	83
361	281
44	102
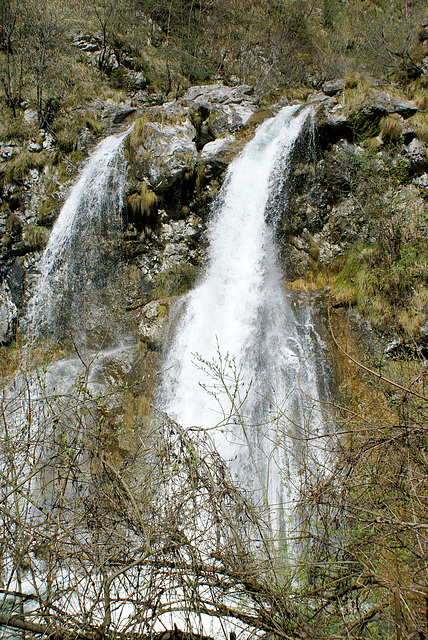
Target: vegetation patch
143	203
419	122
175	281
391	128
35	237
16	169
391	295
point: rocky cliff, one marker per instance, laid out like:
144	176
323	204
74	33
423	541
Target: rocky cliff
358	183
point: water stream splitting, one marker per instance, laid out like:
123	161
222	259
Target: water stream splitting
240	362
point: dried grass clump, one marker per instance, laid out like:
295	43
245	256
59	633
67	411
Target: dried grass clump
136	136
36	236
94	125
422	101
391	128
17	168
419	122
143	203
356	91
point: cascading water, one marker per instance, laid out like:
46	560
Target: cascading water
78	281
239	364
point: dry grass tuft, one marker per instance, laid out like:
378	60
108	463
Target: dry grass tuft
391	128
144	203
419	122
36	237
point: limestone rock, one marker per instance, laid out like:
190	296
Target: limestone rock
422	183
230	118
229	108
154	322
117	113
221	94
137	79
8	150
48	141
35	147
381	103
333	86
416	151
332	122
220	151
30	116
163	152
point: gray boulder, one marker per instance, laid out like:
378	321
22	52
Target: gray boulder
381	103
333	86
137	79
230	108
221	152
163	150
416	150
219	93
154	322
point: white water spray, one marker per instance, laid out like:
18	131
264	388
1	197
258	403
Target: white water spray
239	363
79	263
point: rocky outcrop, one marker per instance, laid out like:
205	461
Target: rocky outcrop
178	153
154	323
161	147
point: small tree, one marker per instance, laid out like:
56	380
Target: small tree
12	59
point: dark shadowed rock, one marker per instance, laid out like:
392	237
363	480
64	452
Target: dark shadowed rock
333	86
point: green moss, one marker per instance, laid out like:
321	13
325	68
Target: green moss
76	156
162	311
175	281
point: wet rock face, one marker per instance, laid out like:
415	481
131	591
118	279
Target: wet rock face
8	316
154	323
178	153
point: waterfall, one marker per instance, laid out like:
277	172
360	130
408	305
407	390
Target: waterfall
78	283
239	364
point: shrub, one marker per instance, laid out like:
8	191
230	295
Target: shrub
175	282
